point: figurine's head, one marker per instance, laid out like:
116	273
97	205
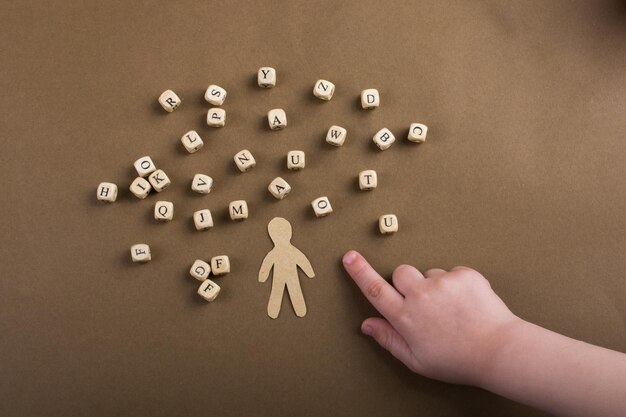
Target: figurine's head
279	230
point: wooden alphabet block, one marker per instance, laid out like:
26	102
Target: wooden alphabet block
324	90
266	77
417	133
336	135
192	141
140	253
164	211
238	210
277	119
384	139
279	188
368	180
159	180
200	270
215	95
388	223
201	184
107	191
144	166
295	160
370	99
209	290
216	117
244	160
169	101
202	219
140	187
220	265
322	207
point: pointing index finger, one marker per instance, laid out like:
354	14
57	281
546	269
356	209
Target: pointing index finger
378	291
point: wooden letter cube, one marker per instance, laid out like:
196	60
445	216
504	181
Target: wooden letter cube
209	290
164	211
322	206
370	99
215	95
295	160
220	265
388	223
279	188
140	187
202	219
323	89
266	77
238	210
244	160
200	270
277	119
192	141
417	133
144	166
216	117
336	135
384	139
202	184
159	180
368	180
140	252
169	101
107	191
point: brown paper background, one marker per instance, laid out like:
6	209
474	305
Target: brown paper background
522	177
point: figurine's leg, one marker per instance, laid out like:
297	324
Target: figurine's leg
276	298
297	299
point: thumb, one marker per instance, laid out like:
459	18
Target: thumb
389	338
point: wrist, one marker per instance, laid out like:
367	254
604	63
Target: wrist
499	349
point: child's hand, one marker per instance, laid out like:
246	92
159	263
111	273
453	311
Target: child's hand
443	325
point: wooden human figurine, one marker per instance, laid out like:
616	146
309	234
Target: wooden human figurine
285	259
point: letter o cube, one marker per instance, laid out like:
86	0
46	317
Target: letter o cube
322	207
144	166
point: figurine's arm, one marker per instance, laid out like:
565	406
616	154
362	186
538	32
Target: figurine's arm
305	265
266	267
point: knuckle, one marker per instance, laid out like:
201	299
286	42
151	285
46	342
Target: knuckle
374	289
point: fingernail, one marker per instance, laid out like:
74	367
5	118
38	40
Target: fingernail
349	258
366	329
